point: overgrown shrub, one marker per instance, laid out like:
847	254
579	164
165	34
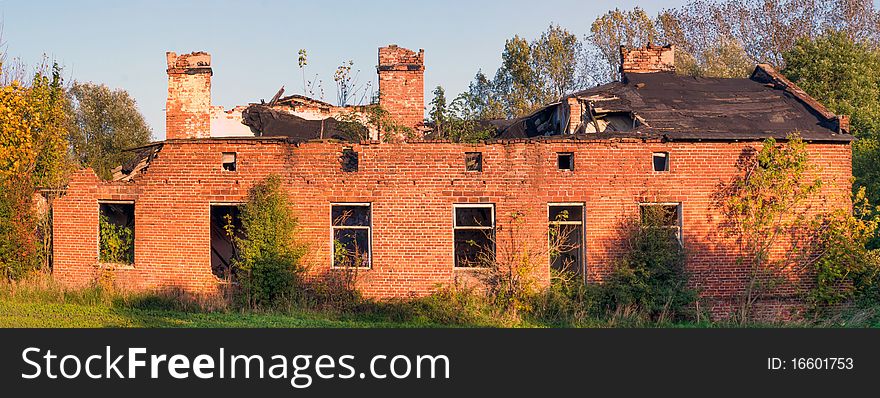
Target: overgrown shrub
448	306
356	126
334	291
649	280
117	242
760	206
845	269
19	247
268	261
509	274
568	301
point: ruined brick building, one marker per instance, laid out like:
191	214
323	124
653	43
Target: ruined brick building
414	209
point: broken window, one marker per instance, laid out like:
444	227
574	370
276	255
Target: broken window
225	228
228	161
662	216
566	237
352	237
349	160
565	160
473	161
116	232
474	230
661	161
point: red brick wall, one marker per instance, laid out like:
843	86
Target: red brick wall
188	106
402	84
412	188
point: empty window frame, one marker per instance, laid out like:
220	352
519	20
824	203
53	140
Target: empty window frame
661	161
566	237
225	228
474	235
565	160
349	160
227	159
351	228
116	232
473	161
664	216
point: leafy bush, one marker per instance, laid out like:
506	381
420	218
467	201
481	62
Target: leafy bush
334	291
509	276
568	301
650	279
19	247
268	263
117	242
356	126
845	268
760	206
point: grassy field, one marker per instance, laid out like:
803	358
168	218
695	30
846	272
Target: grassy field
14	313
78	310
42	304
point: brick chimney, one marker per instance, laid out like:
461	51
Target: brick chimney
402	84
648	59
188	107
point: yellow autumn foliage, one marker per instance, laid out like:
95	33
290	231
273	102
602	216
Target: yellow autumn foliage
33	153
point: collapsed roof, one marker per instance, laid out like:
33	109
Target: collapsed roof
687	108
643	105
269	121
138	162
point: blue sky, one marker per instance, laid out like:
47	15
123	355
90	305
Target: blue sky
254	44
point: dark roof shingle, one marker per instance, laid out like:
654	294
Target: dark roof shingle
693	108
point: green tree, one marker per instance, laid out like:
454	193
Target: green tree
20	246
516	82
532	74
479	101
452	122
555	55
687	28
458	121
438	112
269	255
763	203
844	75
764	29
104	123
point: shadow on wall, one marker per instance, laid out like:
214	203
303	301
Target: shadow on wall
719	267
761	260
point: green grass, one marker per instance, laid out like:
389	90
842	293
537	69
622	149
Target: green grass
40	303
27	311
14	313
19	314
